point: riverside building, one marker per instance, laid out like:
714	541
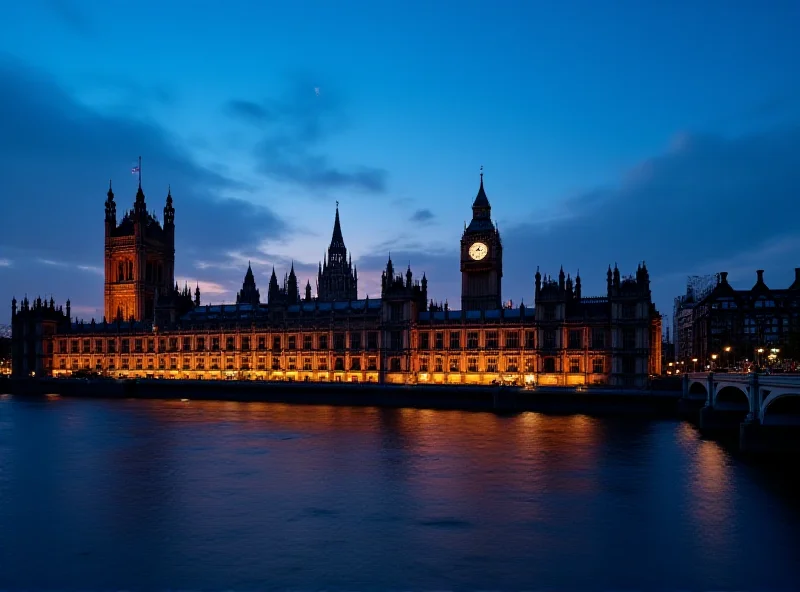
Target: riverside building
154	329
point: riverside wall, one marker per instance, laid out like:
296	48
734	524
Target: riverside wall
469	398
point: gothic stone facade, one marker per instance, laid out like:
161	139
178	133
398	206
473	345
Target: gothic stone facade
401	337
734	324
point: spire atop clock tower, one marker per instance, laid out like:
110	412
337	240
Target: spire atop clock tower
481	257
481	207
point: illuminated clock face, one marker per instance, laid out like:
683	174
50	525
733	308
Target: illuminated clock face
478	251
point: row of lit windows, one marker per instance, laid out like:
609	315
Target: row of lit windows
353	340
438	364
227	363
489	339
510	364
510	339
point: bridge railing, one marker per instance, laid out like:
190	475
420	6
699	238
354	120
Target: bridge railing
741	377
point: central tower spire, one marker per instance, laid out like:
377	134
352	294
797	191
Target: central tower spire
337	240
336	279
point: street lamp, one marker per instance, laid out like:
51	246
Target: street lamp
713	360
694	364
759	351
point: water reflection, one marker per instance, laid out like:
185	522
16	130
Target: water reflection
233	495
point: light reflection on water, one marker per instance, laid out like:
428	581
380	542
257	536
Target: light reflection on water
190	495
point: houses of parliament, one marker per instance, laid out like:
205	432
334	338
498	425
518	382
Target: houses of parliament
153	328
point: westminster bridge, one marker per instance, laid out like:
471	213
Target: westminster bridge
765	408
767	399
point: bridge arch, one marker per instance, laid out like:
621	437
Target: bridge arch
781	408
731	397
697	388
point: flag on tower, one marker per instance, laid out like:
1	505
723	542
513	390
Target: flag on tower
137	170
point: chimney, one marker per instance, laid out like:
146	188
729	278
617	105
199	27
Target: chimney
723	277
760	273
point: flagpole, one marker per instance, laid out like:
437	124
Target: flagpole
140	171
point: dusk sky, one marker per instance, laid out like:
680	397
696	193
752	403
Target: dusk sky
608	132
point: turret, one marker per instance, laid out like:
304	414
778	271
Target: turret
13	307
274	291
169	212
197	295
389	269
69	313
538	283
293	294
140	206
249	294
578	286
408	276
111	211
608	279
616	276
308	291
561	282
645	280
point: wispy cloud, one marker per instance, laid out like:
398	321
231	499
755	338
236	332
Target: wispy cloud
706	200
422	216
294	127
5	263
206	287
67	265
91	269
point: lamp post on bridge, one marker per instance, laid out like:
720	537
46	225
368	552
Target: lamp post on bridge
694	364
728	357
713	362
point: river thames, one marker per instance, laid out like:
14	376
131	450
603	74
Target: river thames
245	496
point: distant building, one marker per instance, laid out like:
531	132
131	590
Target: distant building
746	321
697	287
667	353
153	329
5	355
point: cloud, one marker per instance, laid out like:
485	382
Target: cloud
706	202
58	156
294	126
209	291
422	216
248	111
68	265
6	263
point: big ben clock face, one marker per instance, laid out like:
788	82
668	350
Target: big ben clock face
478	251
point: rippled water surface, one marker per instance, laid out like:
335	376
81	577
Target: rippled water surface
155	495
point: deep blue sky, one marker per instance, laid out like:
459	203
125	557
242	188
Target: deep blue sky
609	132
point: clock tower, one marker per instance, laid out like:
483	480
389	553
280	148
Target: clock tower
481	258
